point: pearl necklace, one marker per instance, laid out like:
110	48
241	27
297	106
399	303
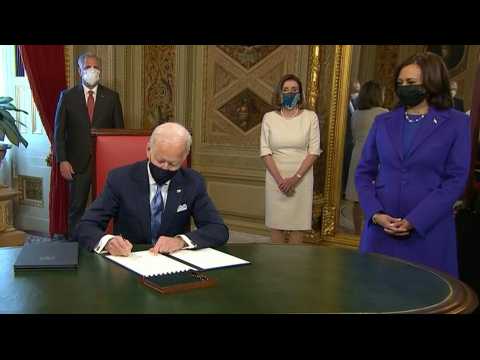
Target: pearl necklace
411	121
283	115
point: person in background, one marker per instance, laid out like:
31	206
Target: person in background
289	146
79	109
457	102
370	101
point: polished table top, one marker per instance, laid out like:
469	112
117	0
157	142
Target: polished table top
281	279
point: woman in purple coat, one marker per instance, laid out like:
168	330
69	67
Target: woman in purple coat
414	166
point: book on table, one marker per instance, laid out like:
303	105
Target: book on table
48	255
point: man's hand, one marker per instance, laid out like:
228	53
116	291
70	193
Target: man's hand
66	170
168	245
118	246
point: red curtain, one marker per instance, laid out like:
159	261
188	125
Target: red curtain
45	68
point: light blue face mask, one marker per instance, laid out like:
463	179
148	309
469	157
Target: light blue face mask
290	100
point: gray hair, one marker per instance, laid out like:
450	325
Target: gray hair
171	132
84	56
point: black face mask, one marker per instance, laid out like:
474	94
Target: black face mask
411	95
159	175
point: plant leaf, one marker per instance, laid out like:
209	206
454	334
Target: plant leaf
9	132
12	133
5	99
11	107
23	141
8	117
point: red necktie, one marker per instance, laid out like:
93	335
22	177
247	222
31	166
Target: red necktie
90	104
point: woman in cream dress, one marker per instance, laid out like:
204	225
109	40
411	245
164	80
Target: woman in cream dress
289	145
370	100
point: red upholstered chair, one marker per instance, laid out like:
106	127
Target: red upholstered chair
113	148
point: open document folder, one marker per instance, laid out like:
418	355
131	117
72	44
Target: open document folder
146	264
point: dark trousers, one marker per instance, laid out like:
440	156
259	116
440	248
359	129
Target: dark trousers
467	221
79	191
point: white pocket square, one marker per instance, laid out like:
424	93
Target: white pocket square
182	208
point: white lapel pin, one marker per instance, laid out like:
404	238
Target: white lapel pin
435	121
179	190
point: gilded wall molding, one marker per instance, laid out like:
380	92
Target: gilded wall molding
311	95
313	77
70	66
329	216
336	130
320	91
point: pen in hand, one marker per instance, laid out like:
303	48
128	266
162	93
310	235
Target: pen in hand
126	245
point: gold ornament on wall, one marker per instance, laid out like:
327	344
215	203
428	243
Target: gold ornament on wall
159	84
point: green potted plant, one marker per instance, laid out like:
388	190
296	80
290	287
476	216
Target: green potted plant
8	126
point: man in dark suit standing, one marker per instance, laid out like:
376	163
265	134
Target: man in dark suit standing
457	102
152	201
79	109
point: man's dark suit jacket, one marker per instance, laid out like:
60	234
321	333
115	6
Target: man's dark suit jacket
72	125
458	104
126	199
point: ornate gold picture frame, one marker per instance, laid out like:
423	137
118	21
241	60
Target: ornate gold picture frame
328	93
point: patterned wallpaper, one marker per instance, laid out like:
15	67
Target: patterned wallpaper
159	85
327	56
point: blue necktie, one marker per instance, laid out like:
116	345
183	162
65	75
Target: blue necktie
156	209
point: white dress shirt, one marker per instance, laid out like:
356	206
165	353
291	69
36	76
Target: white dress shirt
86	90
153	189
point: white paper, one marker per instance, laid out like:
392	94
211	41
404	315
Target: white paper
208	258
147	264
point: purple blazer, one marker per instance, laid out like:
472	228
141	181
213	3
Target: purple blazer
421	187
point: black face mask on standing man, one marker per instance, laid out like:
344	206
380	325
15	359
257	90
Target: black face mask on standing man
411	95
159	175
